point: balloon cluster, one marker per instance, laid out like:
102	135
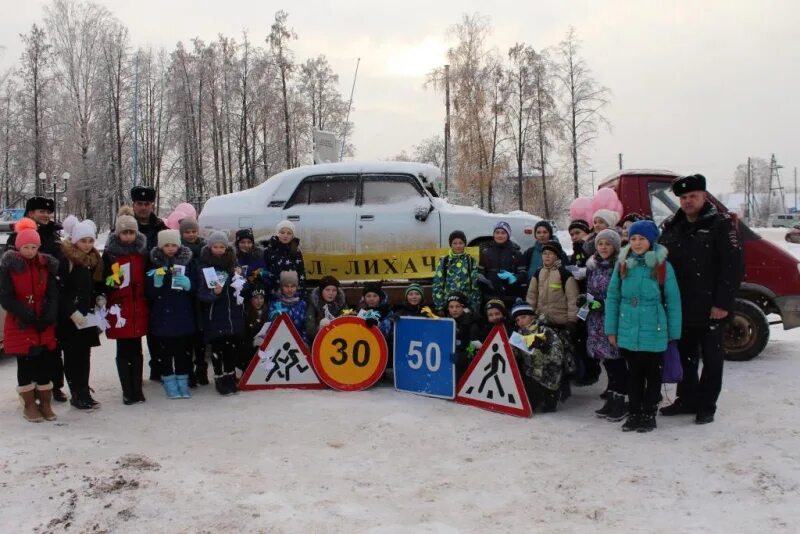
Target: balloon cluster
181	211
585	208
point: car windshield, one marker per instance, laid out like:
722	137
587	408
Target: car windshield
662	202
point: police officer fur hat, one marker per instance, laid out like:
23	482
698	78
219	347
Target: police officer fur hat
687	184
39	203
143	193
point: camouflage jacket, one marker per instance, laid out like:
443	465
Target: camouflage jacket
546	362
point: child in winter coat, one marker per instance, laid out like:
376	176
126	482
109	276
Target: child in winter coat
495	313
457	271
588	370
282	253
222	309
579	230
124	259
468	330
542	365
600	267
290	302
532	259
249	256
28	293
190	237
172	326
641	317
80	284
553	291
255	315
325	303
502	272
376	302
413	303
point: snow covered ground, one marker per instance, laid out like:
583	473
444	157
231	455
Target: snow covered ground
382	461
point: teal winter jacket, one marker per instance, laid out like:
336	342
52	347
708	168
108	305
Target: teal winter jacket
635	312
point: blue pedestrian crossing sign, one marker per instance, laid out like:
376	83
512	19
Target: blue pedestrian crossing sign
423	356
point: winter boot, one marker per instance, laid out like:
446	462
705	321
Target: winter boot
125	372
78	399
201	376
704	417
632	423
89	398
647	423
192	380
136	379
45	398
679	407
618	409
233	385
606	409
183	386
604	395
221	385
170	383
58	395
30	410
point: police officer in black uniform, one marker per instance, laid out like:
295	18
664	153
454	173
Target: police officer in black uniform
706	252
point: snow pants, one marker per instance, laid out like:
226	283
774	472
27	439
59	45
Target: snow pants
644	380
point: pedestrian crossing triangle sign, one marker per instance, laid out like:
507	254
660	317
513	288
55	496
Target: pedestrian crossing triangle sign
493	381
281	362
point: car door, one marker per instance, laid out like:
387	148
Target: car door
322	209
393	214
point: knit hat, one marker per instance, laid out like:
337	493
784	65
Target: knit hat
168	237
554	247
521	308
610	235
610	217
457	234
188	223
81	230
546	225
580	224
289	277
68	224
373	287
413	287
328	280
495	304
633	217
244	233
26	233
39	203
459	297
125	220
284	224
217	237
258	291
646	229
504	226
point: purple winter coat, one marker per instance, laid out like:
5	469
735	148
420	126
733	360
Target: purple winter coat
598	276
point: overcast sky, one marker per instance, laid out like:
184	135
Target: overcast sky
698	86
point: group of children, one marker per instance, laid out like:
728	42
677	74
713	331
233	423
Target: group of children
607	303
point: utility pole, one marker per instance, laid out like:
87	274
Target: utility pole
446	127
620	161
774	176
350	105
795	189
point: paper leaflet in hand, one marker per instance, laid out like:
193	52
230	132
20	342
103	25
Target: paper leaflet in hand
583	313
177	270
95	320
525	343
369	314
211	277
266	359
328	315
116	311
263	332
238	284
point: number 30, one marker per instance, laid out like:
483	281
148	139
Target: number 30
433	356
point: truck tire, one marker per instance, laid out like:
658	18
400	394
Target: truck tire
746	333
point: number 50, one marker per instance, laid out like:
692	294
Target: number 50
433	356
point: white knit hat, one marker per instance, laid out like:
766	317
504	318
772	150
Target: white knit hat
611	217
68	224
83	229
284	224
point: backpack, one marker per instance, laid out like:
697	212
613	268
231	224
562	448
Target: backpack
565	275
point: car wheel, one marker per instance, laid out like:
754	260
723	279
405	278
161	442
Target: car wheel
746	333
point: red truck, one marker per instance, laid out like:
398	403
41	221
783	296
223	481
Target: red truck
771	283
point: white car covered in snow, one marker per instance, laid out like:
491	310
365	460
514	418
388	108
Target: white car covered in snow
354	208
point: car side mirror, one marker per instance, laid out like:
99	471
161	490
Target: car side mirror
421	212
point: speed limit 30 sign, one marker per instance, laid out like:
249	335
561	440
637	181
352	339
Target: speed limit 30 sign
348	355
423	356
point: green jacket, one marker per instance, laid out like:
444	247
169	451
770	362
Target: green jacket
635	312
456	272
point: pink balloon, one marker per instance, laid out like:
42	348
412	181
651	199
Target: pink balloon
605	198
619	208
187	208
174	220
581	208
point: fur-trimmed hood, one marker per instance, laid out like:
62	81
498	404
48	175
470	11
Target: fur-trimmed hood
226	262
116	248
652	258
316	299
182	257
14	262
596	261
76	256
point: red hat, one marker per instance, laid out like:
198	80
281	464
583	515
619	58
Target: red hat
26	233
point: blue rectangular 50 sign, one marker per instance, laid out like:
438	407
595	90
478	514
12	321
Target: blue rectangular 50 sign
423	362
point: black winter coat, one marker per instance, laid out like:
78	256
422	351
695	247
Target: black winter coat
468	329
708	261
278	258
80	281
498	257
150	230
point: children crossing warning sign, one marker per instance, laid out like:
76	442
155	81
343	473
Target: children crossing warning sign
281	362
493	381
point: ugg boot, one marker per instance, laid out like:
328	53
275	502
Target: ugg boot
618	409
183	386
30	410
171	386
45	398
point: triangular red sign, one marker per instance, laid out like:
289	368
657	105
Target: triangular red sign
492	381
281	362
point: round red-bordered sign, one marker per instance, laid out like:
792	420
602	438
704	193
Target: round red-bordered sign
348	355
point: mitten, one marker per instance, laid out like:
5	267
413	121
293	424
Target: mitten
324	322
507	276
78	318
485	282
596	305
182	281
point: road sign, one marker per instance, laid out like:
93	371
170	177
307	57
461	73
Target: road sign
349	355
423	350
281	361
492	380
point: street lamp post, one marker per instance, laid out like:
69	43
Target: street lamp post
56	192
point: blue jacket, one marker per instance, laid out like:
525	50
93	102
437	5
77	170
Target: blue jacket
172	312
252	261
634	309
295	310
220	315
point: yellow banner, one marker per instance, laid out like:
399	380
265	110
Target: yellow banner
403	265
